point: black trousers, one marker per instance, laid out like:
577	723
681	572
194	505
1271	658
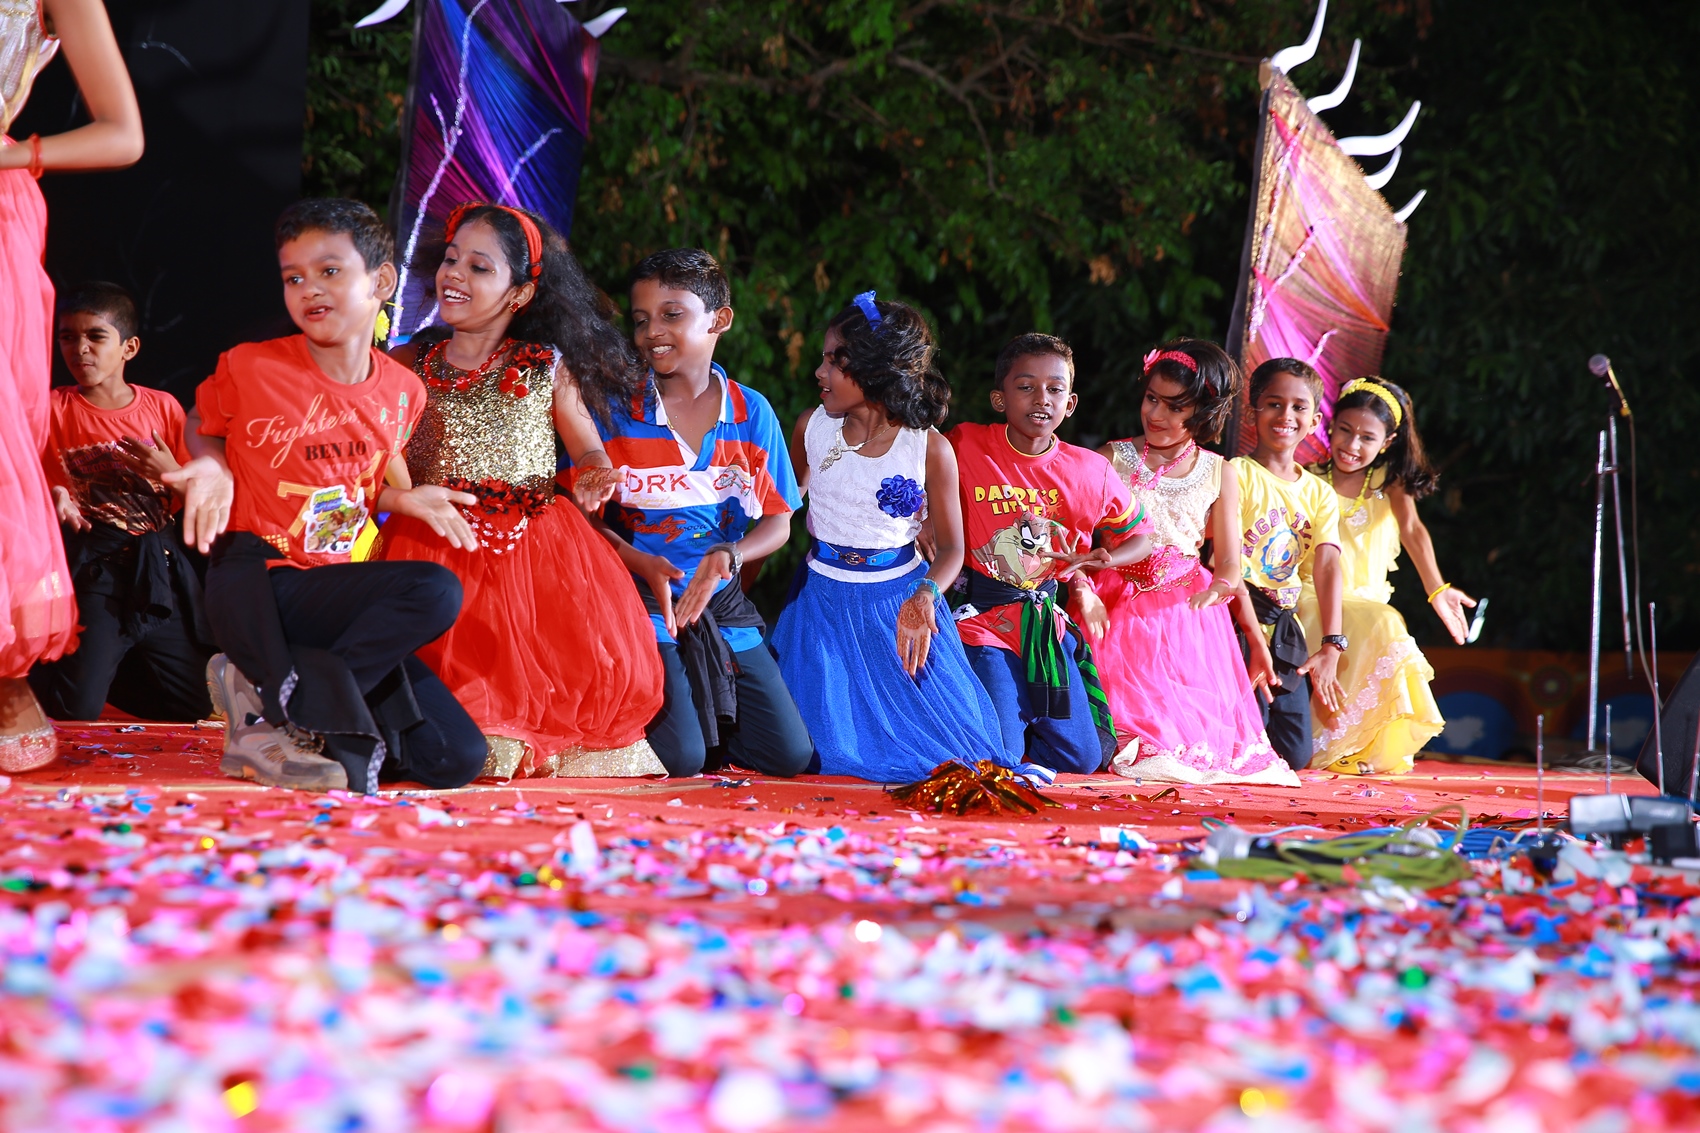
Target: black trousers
158	674
371	616
1287	721
769	736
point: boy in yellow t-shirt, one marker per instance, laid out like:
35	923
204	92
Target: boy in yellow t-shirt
1289	529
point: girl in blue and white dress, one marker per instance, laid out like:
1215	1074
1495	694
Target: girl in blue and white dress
866	643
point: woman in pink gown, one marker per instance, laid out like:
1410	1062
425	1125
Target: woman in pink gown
38	610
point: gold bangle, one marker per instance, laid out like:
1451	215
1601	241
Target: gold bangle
1439	590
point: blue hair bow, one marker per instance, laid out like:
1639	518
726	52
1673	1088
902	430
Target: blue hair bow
866	302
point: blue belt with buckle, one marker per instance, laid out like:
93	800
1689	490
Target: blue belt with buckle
863	559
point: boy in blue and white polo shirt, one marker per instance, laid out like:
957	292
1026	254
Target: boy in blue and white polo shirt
706	482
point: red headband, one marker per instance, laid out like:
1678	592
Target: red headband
1184	359
533	237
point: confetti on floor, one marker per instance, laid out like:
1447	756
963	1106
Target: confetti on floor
184	952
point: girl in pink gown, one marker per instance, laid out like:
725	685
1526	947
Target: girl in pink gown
1179	691
38	609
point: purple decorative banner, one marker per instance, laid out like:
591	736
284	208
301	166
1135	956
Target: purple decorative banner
499	110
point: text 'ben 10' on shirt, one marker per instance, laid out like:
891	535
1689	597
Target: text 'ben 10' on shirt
308	454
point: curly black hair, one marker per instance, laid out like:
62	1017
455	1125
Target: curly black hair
893	362
1404	458
1211	388
568	312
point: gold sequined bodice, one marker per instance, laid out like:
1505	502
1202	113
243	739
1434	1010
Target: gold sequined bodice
1177	507
25	48
484	432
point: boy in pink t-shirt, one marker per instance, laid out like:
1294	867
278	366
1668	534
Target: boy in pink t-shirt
1032	508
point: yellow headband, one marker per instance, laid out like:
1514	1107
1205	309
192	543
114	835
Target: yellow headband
1364	385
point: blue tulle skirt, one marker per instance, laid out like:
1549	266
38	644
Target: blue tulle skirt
837	648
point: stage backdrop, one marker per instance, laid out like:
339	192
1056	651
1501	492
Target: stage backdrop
498	110
1321	261
222	86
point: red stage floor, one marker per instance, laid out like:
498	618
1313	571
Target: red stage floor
186	952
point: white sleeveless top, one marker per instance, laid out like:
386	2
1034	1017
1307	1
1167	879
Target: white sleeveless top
846	497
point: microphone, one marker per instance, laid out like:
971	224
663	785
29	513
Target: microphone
1600	366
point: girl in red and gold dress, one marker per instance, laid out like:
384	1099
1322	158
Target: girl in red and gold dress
553	654
38	610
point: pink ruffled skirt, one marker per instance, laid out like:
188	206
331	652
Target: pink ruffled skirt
1178	690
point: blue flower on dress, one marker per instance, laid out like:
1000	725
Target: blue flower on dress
900	497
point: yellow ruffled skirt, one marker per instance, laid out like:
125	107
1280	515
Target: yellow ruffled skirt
1389	713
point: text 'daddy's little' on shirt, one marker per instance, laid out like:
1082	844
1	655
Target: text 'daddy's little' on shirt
1282	522
677	503
308	453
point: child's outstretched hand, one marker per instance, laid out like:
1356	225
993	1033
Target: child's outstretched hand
1219	591
66	508
1095	558
150	460
660	575
916	624
1088	611
1322	668
438	508
1449	605
207	489
594	486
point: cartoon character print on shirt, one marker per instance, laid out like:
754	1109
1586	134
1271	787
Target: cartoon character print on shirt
1015	555
1278	557
333	521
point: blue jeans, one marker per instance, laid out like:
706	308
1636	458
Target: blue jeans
1062	745
769	736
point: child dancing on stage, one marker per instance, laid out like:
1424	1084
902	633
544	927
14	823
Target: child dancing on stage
295	437
874	466
1288	533
1183	706
138	595
552	653
1379	471
1031	506
704	484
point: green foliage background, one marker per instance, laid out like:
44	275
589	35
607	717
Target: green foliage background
1080	166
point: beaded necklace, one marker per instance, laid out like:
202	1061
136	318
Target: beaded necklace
438	369
1356	516
1148	477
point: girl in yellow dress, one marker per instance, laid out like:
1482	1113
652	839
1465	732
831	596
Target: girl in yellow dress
1379	471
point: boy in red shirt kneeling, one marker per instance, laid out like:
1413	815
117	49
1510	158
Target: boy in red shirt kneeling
143	644
294	440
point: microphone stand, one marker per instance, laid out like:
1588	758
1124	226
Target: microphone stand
1606	465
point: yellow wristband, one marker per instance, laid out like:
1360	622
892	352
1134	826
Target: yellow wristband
1439	590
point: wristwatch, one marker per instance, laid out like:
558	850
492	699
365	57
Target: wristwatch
733	553
1337	640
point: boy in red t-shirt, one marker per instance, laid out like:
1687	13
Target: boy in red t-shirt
297	441
138	594
1031	506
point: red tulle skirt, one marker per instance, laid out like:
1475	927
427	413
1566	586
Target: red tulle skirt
552	646
38	609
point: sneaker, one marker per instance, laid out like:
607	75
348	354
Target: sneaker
253	749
